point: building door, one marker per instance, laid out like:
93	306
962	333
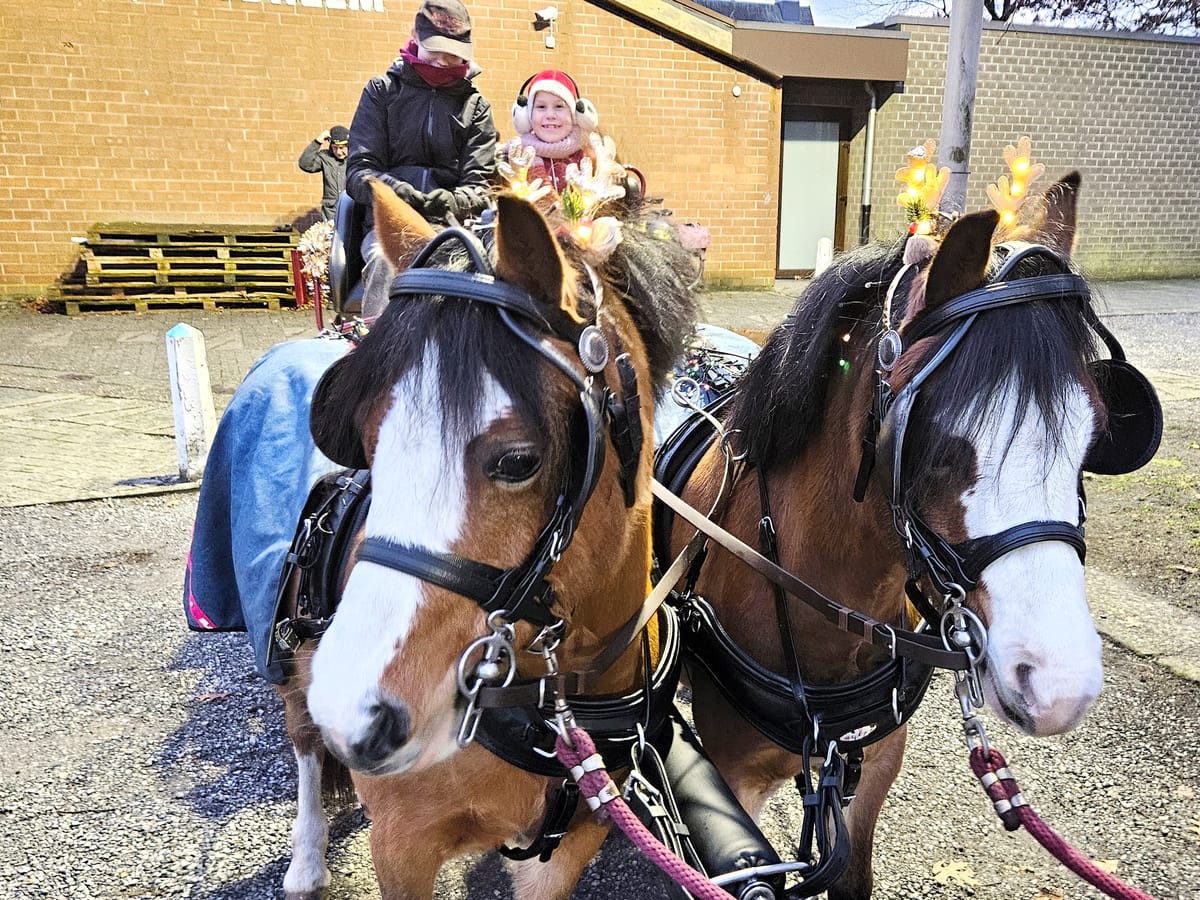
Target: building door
812	192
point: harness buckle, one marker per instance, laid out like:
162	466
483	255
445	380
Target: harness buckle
286	636
498	665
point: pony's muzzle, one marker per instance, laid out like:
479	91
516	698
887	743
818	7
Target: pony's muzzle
388	729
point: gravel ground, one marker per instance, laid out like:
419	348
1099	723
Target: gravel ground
140	760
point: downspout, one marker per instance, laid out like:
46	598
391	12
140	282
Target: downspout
864	219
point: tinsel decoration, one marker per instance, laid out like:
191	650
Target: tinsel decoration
314	252
1008	194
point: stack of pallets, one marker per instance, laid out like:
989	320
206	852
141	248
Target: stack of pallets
142	266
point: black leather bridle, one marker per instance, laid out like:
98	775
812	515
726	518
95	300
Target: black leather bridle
520	592
954	569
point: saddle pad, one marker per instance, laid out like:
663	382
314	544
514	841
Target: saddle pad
260	469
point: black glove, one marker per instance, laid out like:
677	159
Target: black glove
440	205
409	195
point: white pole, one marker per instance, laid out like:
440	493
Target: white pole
191	399
824	255
958	104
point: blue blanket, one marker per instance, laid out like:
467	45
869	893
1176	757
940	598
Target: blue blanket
263	463
260	469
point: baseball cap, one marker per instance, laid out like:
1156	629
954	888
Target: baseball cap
444	26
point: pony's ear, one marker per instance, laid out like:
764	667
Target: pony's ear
1056	229
400	229
333	415
528	255
960	264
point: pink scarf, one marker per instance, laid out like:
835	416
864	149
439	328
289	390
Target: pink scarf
569	145
434	76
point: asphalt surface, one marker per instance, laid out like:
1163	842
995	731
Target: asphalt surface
143	761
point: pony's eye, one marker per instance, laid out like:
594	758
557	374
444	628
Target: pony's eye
515	465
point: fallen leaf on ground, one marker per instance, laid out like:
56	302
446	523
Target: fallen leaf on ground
956	872
1049	894
209	698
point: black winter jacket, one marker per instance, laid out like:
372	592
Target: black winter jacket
406	132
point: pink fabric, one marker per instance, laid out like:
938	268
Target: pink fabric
434	76
553	158
199	616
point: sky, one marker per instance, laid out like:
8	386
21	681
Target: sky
845	13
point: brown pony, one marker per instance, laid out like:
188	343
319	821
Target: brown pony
986	463
496	405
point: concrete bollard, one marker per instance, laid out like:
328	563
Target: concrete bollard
191	399
824	255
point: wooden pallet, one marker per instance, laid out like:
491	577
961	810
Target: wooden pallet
78	299
135	271
143	233
142	266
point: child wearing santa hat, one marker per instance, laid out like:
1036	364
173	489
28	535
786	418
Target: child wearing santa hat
556	122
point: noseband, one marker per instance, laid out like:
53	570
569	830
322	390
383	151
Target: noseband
955	569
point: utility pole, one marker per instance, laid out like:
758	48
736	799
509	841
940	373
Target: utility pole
958	104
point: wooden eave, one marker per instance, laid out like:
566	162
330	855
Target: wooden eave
771	51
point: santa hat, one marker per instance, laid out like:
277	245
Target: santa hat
561	85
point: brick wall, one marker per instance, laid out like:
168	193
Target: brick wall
1123	110
196	110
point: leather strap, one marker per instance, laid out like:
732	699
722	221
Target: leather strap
488	586
920	647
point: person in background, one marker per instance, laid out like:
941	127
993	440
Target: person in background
425	131
327	154
556	122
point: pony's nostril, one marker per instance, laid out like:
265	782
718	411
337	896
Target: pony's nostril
1024	674
387	732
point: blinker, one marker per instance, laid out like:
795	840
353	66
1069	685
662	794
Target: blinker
1132	429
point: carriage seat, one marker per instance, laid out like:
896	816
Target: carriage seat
345	256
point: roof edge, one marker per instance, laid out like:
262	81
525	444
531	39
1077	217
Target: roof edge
1153	36
769	51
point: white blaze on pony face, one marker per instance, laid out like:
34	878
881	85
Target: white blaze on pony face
1043	659
419	497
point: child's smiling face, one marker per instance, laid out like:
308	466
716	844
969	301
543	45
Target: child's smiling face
551	117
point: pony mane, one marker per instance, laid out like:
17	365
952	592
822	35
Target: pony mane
652	275
781	399
781	403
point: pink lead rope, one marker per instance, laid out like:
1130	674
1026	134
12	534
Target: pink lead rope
993	773
577	752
